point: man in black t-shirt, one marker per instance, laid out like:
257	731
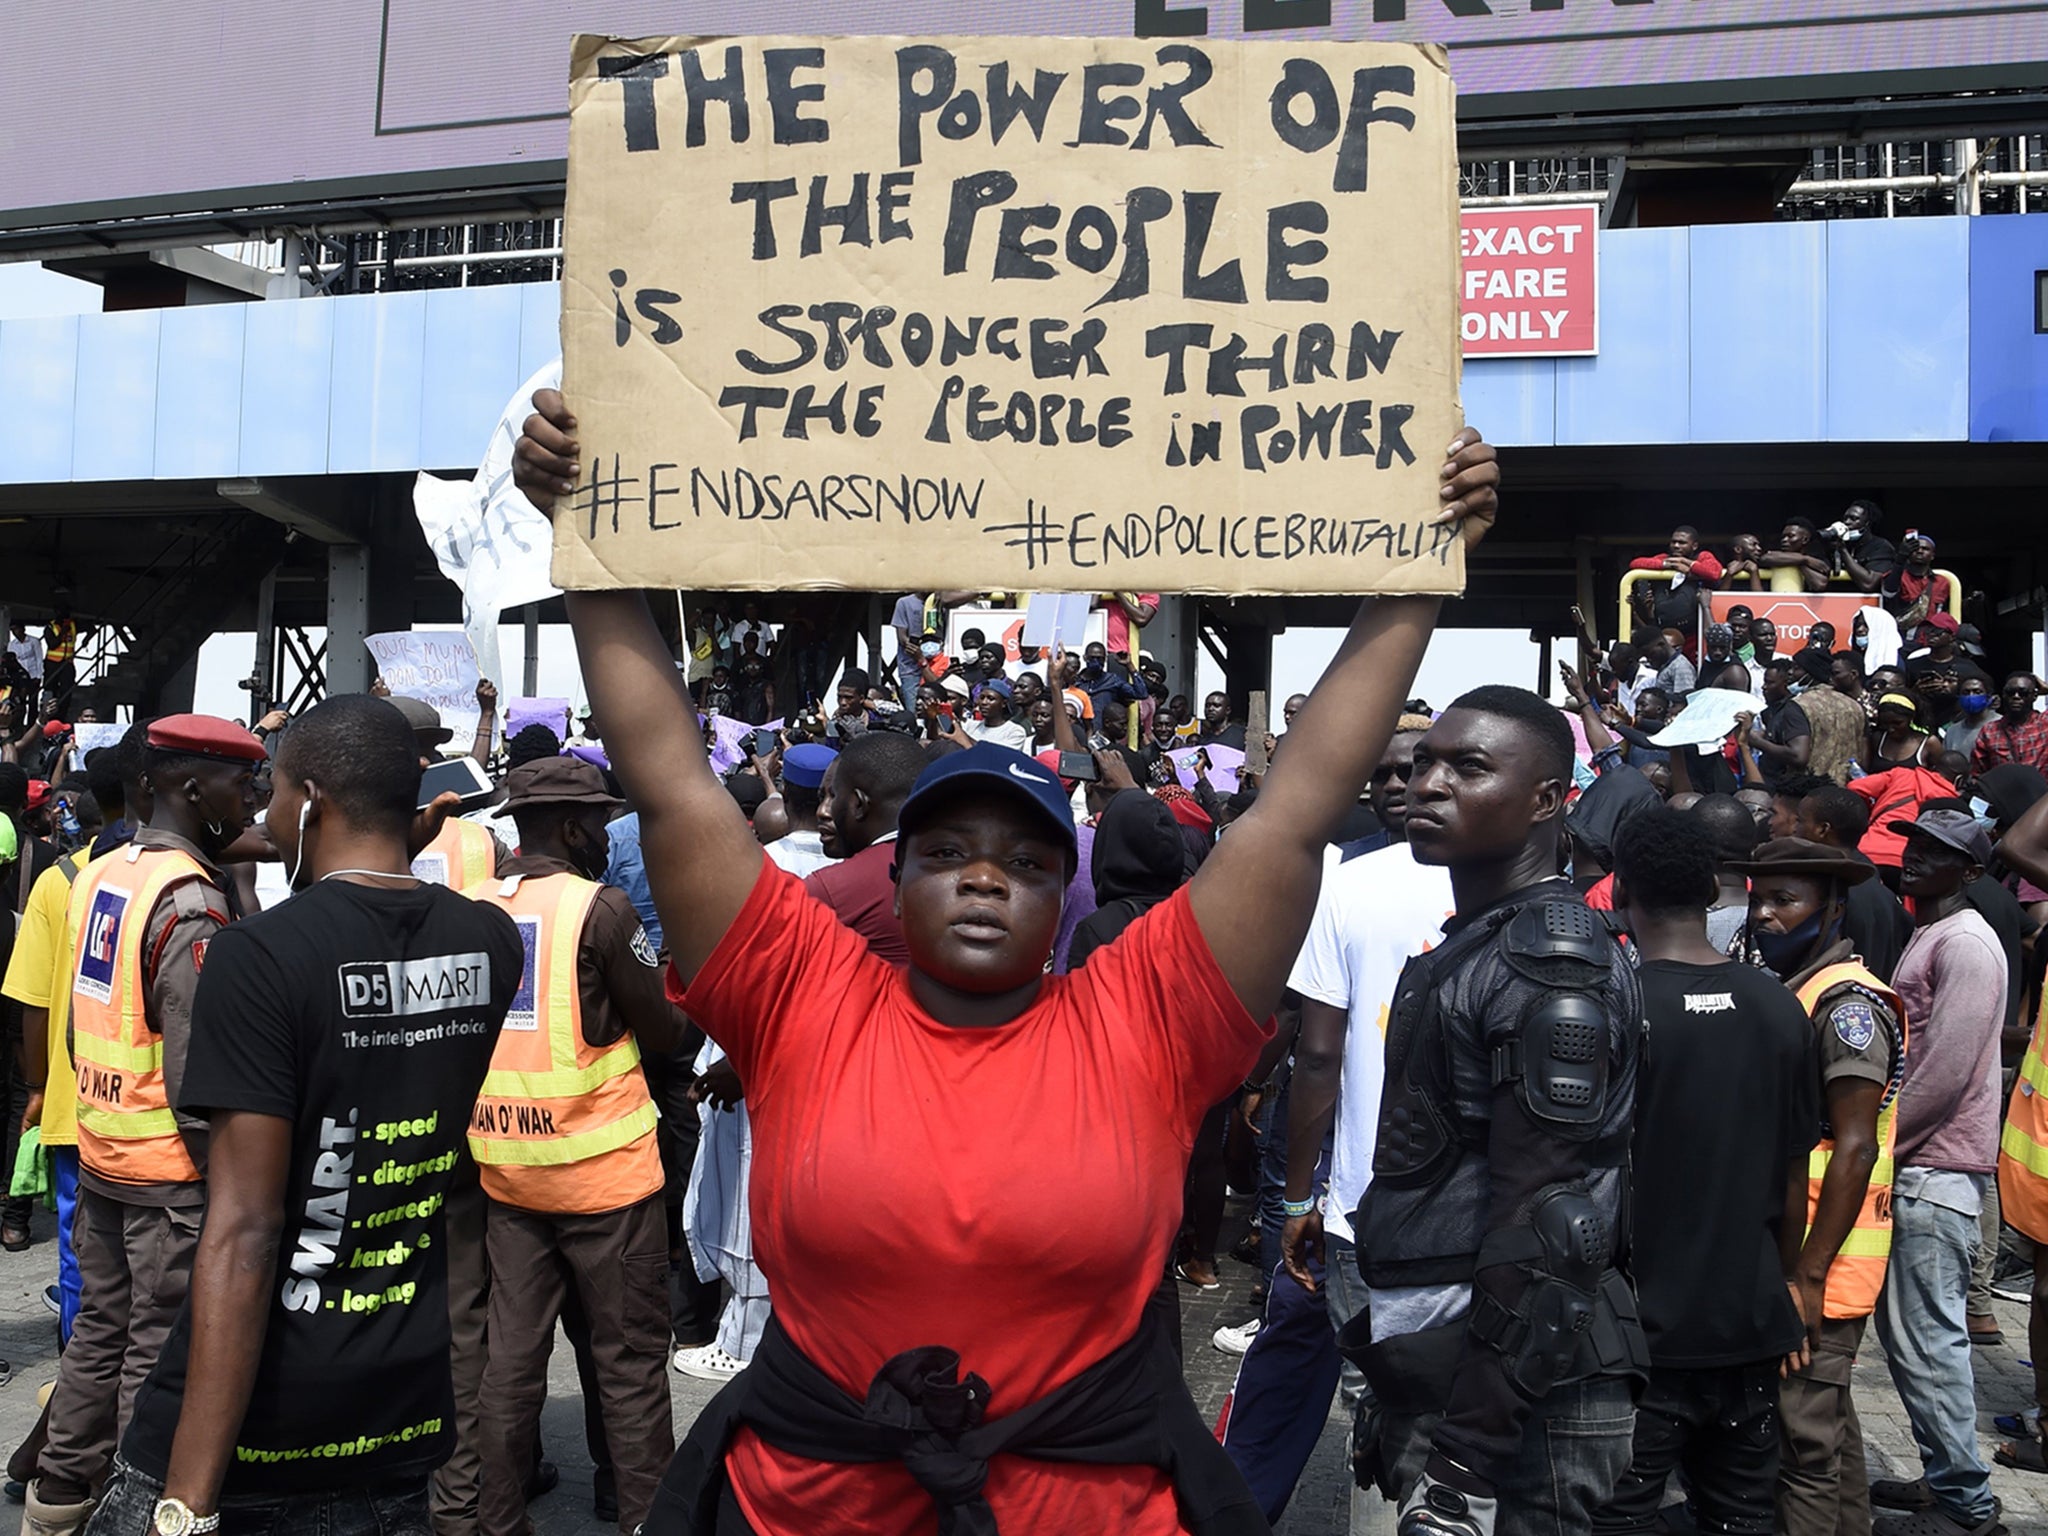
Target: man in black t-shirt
1859	551
338	1042
1782	736
1728	1110
1940	674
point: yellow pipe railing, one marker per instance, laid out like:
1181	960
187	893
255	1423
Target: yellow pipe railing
1625	621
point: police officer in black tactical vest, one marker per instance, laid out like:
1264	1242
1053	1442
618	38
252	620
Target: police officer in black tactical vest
1505	1349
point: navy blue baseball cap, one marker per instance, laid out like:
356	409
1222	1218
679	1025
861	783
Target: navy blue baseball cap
988	767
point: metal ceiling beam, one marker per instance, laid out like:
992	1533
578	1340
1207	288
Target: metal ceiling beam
303	506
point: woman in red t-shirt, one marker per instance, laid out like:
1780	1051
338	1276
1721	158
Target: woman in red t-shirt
972	1152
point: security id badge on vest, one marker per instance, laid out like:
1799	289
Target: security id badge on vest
431	867
99	958
524	1014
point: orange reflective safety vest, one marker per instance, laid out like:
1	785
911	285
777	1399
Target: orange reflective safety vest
1857	1274
461	855
2023	1145
126	1130
561	1125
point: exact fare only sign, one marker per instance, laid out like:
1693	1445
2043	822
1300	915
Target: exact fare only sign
1531	283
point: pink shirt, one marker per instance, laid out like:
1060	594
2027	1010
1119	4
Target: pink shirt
1952	979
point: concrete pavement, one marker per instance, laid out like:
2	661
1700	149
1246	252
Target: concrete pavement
2004	1383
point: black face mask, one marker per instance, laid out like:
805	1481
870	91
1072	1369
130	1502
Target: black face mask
582	859
1783	952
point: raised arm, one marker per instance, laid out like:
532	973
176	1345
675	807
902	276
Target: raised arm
2025	845
486	738
1271	863
701	856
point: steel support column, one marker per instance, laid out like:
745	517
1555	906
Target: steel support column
349	667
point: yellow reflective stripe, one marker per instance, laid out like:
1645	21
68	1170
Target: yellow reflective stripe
2034	1070
1866	1243
564	1003
2024	1150
127	1125
566	1083
566	1149
102	1052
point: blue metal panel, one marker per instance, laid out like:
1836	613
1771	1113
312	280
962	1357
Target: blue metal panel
540	327
1639	388
287	373
38	395
472	368
1898	330
373	411
114	433
1513	400
1759	333
2008	357
199	392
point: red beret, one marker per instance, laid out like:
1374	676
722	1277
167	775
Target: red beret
38	793
1945	622
54	728
205	736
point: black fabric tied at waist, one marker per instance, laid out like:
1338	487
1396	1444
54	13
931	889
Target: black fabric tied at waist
1130	1408
918	1400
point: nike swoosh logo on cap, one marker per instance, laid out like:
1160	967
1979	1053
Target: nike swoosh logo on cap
1023	773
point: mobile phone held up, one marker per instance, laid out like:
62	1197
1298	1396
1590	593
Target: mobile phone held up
458	774
1080	767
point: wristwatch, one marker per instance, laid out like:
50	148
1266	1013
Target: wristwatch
175	1518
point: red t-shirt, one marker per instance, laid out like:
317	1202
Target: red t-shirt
1010	1192
1118	640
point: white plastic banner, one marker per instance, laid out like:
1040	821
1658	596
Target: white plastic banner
1708	716
487	537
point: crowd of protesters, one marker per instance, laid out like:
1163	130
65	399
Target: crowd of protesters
1599	1073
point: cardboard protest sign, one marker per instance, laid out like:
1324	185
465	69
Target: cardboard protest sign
437	666
1015	313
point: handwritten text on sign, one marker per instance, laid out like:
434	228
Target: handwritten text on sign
1041	313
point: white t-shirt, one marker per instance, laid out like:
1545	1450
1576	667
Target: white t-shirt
801	853
1374	913
1010	733
764	636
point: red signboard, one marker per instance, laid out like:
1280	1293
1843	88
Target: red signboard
1795	613
1532	282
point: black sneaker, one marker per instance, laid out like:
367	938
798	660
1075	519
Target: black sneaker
53	1300
1893	1493
1938	1522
